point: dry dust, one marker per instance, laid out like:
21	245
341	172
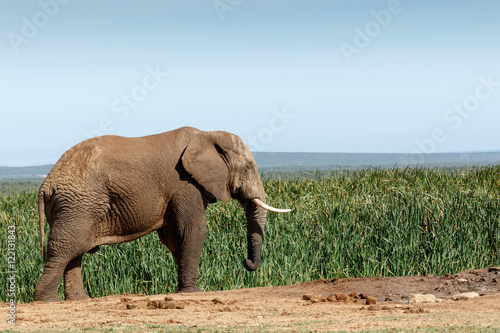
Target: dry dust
322	305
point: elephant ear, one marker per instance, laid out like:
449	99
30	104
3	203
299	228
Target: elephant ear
204	159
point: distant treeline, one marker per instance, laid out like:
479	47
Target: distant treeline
11	186
25	172
356	161
306	162
17	185
287	174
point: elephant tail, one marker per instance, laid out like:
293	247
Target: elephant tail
41	216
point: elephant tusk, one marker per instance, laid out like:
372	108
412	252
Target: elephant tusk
259	203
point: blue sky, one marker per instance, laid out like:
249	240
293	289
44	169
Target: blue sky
310	76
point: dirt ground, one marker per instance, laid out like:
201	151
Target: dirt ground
285	309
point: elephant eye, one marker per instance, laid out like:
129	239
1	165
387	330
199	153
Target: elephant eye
247	169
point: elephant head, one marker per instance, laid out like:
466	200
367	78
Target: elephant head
222	164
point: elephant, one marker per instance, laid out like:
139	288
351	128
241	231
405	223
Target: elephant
113	189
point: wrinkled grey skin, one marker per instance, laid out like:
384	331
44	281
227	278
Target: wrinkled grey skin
112	189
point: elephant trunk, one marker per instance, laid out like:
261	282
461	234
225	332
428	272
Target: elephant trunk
256	222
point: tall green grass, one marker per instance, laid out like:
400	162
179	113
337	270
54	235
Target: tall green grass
374	222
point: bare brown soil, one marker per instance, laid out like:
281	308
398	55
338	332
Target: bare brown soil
285	309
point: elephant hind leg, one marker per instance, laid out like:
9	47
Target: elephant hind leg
64	256
46	289
73	283
55	268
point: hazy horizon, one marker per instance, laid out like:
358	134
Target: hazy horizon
412	158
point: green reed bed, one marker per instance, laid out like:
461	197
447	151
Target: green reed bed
374	222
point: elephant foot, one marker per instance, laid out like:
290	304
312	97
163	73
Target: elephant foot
73	285
78	297
46	298
188	290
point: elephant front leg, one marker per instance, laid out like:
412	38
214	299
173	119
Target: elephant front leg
73	283
188	256
184	234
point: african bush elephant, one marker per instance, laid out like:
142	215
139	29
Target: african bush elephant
112	189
